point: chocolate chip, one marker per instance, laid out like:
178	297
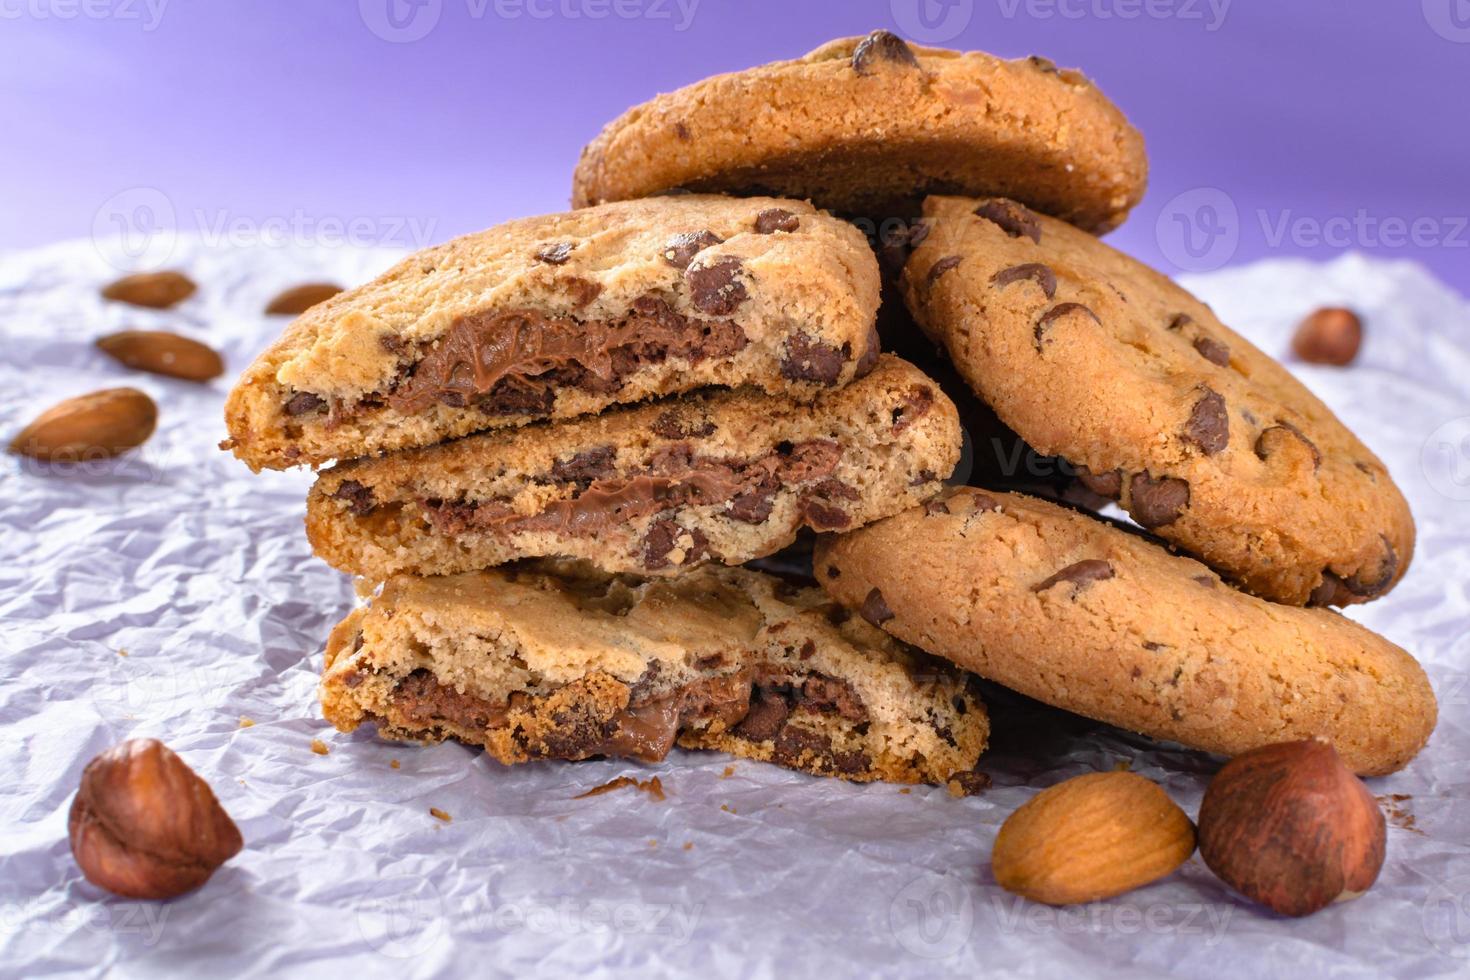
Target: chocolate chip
1042	64
1012	218
941	267
1109	484
1035	271
982	503
360	500
935	506
822	517
869	360
874	609
1337	591
715	287
922	477
1268	440
661	537
1156	503
1180	321
585	466
303	402
672	425
1056	313
811	360
969	783
582	291
776	219
1081	574
833	571
392	343
1209	423
1213	351
556	253
681	130
751	508
680	250
851	763
794	743
881	46
767	716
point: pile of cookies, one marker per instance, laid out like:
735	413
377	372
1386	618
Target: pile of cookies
557	446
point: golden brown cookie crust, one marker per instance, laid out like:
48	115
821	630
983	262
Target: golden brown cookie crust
868	126
809	285
568	652
1205	440
883	443
1088	617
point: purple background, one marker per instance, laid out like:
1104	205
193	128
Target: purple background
292	110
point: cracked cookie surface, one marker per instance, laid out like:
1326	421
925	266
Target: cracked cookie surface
1206	441
869	125
1086	616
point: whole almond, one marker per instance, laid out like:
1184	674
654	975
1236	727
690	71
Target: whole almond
1091	837
299	299
161	352
95	426
155	290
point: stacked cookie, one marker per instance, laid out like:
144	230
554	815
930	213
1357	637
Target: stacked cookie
555	438
650	387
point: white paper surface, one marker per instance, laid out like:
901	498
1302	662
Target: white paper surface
200	571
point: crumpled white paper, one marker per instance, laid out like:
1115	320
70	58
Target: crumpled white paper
199	572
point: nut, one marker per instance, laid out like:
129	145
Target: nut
161	352
155	290
1091	837
1291	827
1331	335
95	426
145	825
299	299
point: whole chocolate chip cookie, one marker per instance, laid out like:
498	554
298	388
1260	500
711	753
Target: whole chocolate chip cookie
1202	438
1086	616
555	662
722	475
868	126
564	315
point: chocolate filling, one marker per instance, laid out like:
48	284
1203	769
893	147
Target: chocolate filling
675	478
755	703
512	362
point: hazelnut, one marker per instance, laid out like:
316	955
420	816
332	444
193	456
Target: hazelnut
1331	335
1291	827
144	825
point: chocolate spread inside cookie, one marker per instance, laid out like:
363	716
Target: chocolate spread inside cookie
758	704
512	362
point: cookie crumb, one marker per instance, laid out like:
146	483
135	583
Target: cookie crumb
1123	765
906	791
729	771
1398	815
689	845
439	814
122	652
394	764
963	784
727	808
247	722
319	747
652	842
653	787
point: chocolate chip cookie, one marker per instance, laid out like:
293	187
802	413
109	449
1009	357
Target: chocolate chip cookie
562	663
868	126
564	315
1202	438
727	475
1086	616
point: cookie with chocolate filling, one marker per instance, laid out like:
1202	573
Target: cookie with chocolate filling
564	315
1086	616
869	125
558	662
725	475
1206	441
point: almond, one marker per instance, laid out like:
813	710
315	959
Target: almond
1091	837
155	290
299	299
161	352
95	426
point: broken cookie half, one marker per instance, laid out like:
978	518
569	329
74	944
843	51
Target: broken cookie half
564	315
724	475
556	661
